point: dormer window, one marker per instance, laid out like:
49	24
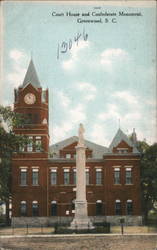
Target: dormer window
68	156
122	150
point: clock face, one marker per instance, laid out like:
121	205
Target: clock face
30	98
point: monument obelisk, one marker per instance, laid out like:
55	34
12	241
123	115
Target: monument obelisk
81	219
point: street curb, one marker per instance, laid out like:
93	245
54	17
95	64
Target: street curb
72	235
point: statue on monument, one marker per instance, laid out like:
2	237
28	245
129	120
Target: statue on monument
81	132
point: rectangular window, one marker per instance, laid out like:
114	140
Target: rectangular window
30	144
117	176
28	118
43	96
66	176
87	176
118	208
35	208
38	144
129	207
99	176
99	207
122	150
68	156
36	118
53	176
23	208
23	177
35	177
128	176
53	208
74	176
21	148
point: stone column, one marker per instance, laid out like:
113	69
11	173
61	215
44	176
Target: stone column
81	220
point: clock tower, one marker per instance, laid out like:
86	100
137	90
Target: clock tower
29	168
32	102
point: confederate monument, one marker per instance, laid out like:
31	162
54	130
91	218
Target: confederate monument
81	220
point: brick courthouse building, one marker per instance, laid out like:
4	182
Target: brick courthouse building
44	178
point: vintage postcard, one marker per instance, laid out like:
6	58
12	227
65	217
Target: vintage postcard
83	75
97	58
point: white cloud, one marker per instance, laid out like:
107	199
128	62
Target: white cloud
69	64
16	76
74	53
152	103
77	114
60	131
90	97
133	116
111	57
126	96
111	113
64	100
86	86
74	116
16	55
88	89
98	134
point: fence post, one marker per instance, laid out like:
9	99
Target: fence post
27	229
13	229
41	228
75	228
122	225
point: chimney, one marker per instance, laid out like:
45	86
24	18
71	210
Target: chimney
134	137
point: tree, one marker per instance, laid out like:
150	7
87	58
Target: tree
148	178
9	143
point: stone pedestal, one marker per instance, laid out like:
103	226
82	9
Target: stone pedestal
81	220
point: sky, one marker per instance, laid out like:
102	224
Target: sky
99	74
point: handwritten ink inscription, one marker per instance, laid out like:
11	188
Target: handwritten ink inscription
67	45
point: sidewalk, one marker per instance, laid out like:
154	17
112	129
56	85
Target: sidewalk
80	242
49	231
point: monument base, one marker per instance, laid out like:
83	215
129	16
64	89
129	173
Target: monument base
81	224
81	219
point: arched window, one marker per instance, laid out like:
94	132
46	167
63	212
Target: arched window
98	207
53	208
118	207
129	207
35	208
23	208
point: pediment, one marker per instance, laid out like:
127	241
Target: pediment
70	146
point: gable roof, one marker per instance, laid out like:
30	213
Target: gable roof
31	76
120	136
98	150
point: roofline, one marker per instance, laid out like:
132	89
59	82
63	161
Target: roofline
122	154
64	160
76	137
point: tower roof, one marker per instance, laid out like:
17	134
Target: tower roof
31	76
120	136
